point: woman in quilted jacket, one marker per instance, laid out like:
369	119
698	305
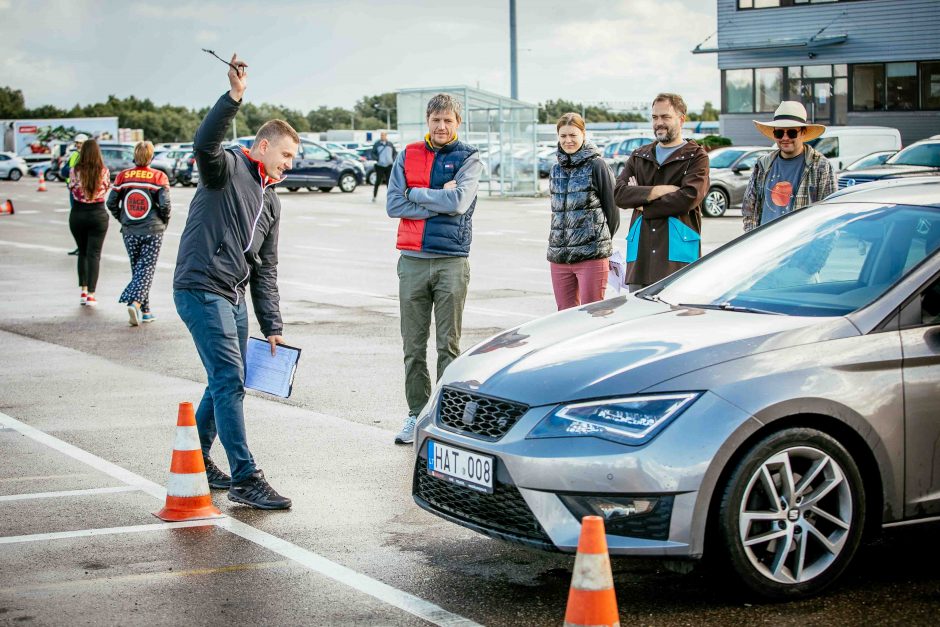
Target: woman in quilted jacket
584	217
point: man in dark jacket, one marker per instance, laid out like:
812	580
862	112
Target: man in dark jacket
383	153
230	240
664	183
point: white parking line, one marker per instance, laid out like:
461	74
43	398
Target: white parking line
61	210
106	531
317	563
54	495
25	211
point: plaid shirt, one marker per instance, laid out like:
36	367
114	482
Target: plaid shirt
817	182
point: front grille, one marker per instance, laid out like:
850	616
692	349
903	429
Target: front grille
850	181
478	416
504	511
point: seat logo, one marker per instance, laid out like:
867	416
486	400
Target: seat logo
793	515
469	412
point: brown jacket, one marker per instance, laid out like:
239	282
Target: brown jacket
687	169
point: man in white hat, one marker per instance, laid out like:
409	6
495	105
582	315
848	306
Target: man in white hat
791	177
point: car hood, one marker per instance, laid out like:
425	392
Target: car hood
883	171
623	345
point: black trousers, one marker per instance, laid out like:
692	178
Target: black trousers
381	172
89	224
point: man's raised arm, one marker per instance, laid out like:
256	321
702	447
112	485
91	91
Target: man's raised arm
207	145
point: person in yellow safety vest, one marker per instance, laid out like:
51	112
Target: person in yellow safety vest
70	162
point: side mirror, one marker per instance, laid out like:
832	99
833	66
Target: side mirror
740	168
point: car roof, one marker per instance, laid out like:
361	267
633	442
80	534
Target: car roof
914	190
745	148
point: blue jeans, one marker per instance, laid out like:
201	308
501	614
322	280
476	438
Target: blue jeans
220	332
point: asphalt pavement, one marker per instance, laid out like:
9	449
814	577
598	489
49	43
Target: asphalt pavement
87	421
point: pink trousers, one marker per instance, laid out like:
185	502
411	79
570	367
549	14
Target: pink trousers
579	283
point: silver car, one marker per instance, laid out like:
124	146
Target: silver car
729	172
768	405
12	167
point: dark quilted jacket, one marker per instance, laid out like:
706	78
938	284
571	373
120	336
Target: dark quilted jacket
579	229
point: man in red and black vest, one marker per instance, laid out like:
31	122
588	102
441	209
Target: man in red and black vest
433	190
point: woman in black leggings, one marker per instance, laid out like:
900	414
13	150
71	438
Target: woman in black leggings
88	219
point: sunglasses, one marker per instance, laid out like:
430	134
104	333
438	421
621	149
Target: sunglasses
792	133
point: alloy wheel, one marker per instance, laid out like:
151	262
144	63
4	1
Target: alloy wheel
716	203
796	515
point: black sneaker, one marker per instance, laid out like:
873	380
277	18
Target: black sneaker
257	492
218	480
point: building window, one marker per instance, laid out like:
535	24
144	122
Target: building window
930	85
868	86
739	91
769	82
902	86
771	4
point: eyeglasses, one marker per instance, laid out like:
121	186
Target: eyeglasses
792	133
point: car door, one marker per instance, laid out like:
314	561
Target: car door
740	175
920	340
6	165
317	165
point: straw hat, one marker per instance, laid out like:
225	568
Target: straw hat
790	114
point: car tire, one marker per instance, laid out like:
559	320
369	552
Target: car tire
51	176
347	182
371	179
326	190
792	514
716	203
310	189
293	189
15	174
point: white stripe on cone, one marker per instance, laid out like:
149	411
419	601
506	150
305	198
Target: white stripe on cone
189	484
187	439
592	572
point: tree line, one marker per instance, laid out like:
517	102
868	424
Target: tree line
168	123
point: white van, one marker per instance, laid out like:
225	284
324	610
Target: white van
844	144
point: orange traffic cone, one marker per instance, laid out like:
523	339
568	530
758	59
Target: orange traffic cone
42	183
187	491
7	207
591	598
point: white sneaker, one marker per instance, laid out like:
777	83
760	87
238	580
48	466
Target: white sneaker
407	433
134	315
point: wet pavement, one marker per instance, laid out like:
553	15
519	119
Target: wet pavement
88	410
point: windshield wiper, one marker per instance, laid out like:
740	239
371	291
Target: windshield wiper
730	307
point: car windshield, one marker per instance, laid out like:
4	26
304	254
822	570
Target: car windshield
827	261
869	161
723	158
921	154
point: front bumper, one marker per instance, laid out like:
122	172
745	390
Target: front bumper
531	475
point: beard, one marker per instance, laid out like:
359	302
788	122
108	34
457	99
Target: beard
664	135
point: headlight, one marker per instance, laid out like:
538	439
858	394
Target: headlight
633	420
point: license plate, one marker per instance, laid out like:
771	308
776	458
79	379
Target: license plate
461	467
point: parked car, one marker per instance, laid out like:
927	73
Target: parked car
870	160
365	156
769	405
316	167
117	157
844	144
729	172
40	167
919	159
184	169
12	167
165	161
622	151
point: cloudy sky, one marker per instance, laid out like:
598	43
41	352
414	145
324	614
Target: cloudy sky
304	54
